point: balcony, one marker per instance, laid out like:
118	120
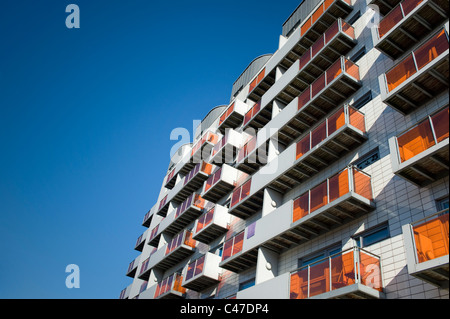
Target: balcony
193	181
260	84
418	78
200	151
225	150
409	23
337	41
154	237
250	158
336	136
185	214
132	267
421	155
170	288
170	179
212	224
203	273
220	183
163	207
148	218
233	116
384	6
426	244
144	274
140	242
180	247
351	274
244	205
233	256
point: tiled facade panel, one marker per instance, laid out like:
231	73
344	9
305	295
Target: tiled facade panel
397	202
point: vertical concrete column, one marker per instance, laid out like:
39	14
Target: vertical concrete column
155	276
277	108
271	201
165	238
267	265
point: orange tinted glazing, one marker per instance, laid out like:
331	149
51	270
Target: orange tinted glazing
415	141
431	238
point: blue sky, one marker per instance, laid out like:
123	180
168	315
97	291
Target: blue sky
85	122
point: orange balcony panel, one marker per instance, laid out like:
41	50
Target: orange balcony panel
212	224
408	23
420	155
419	77
170	288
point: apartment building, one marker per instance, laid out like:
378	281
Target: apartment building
326	176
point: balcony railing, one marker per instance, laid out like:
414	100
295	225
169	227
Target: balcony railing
154	236
170	180
193	181
333	276
249	159
147	219
212	224
140	243
420	155
170	288
332	189
132	267
203	273
183	238
408	23
419	77
233	246
233	116
427	243
163	206
225	150
221	183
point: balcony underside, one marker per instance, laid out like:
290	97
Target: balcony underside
201	283
225	155
132	273
147	222
421	87
145	275
171	183
266	83
424	170
255	160
175	257
209	233
234	120
261	118
355	291
140	246
194	184
437	276
413	29
180	223
217	191
163	211
248	206
241	262
172	295
326	153
385	5
155	241
339	212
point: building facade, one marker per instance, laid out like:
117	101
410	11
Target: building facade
326	176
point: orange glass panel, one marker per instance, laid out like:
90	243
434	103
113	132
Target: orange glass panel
357	119
318	85
209	183
389	21
441	125
415	141
352	69
261	75
317	14
319	134
342	270
304	98
246	189
409	5
200	223
303	146
348	29
238	243
248	116
227	249
190	271
235	197
318	196
305	27
318	45
253	85
301	207
338	185
362	184
370	271
334	71
400	73
217	176
331	32
299	285
431	49
328	3
336	121
305	58
209	217
431	238
319	278
177	284
206	168
199	266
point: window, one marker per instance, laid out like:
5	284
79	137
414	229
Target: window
217	250
355	17
358	55
368	159
247	284
442	204
312	258
363	100
372	236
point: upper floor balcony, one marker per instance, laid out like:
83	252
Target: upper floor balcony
132	267
250	158
212	224
185	214
170	288
193	181
148	218
407	24
155	235
170	180
220	183
427	246
225	150
384	6
203	273
353	273
338	200
179	248
419	77
421	154
199	152
233	116
140	242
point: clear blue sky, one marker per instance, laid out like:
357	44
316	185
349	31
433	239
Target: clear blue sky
85	122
